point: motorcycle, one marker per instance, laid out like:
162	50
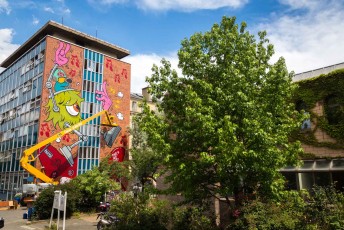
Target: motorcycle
106	220
104	207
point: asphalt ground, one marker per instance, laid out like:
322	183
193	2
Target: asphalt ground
14	221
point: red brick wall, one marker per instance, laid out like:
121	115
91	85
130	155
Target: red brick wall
117	76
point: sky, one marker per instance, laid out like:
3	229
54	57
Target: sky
309	34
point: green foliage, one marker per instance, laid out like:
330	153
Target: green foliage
260	214
226	119
84	193
114	169
139	212
192	218
321	210
319	89
44	202
142	212
92	185
326	208
145	161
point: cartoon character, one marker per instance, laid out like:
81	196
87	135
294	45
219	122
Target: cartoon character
62	82
68	101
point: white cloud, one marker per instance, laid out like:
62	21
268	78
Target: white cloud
106	2
35	20
67	11
109	2
49	9
5	7
6	47
190	5
311	39
141	67
299	4
179	5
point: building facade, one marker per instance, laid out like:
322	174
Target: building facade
56	79
320	95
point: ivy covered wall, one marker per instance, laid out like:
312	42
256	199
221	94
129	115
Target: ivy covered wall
322	97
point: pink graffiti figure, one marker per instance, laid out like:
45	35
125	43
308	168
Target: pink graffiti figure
104	98
60	54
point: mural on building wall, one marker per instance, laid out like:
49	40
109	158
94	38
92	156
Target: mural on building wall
63	111
62	102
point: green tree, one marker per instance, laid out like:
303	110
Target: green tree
92	185
144	161
118	171
226	119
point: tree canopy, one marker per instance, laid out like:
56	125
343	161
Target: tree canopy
227	118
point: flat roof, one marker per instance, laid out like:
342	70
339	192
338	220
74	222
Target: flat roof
64	32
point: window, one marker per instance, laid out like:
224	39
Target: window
291	180
39	58
333	110
302	107
319	172
134	106
27	86
12	114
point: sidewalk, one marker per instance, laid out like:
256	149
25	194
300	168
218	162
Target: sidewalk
14	220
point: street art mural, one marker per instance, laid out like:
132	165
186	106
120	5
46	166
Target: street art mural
62	103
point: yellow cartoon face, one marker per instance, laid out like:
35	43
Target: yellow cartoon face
69	108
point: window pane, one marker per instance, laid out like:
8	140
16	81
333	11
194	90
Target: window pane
306	180
307	165
290	178
322	178
338	164
338	180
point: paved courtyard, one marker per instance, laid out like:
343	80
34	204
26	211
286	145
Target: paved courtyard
14	221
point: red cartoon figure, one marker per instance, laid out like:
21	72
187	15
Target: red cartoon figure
75	61
72	73
124	73
109	64
117	78
44	130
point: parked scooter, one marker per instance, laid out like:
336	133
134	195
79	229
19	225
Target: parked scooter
106	220
104	207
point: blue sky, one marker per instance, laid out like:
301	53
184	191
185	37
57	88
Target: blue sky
309	34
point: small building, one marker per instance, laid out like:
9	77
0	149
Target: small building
57	78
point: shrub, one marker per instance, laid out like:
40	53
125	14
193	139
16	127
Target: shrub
140	212
92	185
44	203
192	218
322	209
326	208
259	214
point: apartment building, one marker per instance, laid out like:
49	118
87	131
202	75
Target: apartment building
57	78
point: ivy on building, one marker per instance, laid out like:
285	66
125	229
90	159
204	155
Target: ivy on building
326	90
